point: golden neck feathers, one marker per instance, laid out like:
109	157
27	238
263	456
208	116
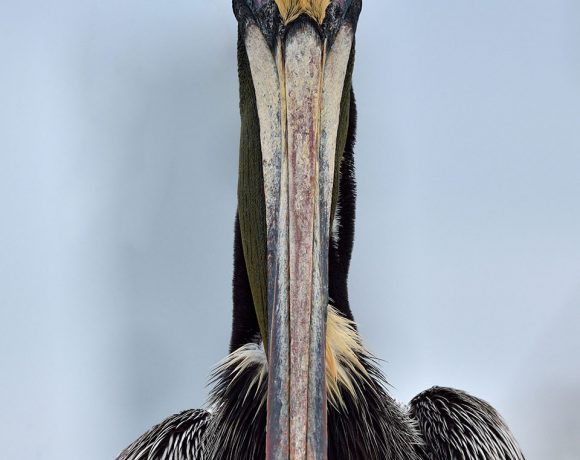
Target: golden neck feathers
290	10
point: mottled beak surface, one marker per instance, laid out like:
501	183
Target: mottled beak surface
298	73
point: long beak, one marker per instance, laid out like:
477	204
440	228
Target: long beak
298	89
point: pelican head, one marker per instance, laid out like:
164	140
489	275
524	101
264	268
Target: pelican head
295	65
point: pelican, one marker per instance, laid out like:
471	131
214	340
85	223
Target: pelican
298	382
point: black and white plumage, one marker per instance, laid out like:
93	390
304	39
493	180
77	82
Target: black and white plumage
457	425
440	423
363	422
178	437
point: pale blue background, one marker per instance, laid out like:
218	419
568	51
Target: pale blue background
118	156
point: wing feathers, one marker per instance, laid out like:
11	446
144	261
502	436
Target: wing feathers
176	438
456	425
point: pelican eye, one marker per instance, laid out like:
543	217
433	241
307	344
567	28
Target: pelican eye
257	4
344	4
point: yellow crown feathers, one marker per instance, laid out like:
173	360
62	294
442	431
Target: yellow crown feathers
291	9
